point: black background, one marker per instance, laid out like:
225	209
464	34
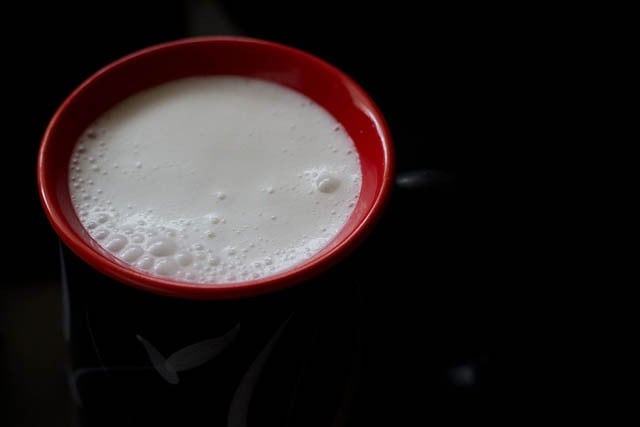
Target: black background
447	77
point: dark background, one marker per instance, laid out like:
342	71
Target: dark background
446	77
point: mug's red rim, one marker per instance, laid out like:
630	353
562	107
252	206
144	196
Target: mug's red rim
243	289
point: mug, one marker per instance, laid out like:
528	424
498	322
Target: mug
148	350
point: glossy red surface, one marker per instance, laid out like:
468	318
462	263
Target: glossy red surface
322	82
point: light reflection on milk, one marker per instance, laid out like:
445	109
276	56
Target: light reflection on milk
215	179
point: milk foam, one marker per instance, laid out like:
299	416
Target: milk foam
215	179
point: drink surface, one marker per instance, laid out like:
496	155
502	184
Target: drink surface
215	179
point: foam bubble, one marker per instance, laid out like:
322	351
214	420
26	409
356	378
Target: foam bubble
214	219
132	253
101	234
146	262
166	267
162	246
184	259
327	183
116	243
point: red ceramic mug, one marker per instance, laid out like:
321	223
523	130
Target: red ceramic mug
165	352
320	81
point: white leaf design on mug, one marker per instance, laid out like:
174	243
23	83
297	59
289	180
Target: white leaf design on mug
158	362
188	357
239	407
201	352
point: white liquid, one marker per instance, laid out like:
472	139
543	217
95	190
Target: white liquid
215	179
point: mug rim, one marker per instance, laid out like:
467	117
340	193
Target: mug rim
219	291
